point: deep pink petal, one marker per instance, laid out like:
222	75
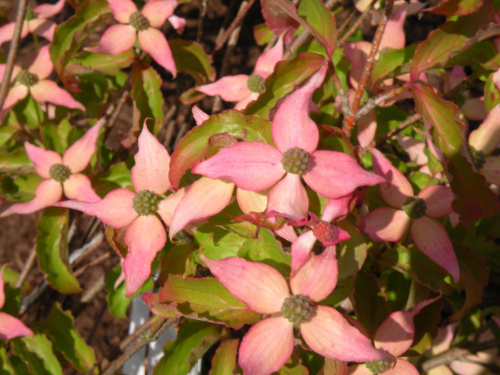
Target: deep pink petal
167	206
153	42
253	166
336	208
387	224
335	174
15	95
431	238
487	136
328	333
398	189
7	32
11	327
292	126
42	27
122	9
438	200
48	91
152	164
229	88
78	187
145	237
266	62
257	285
157	12
47	193
317	278
205	198
491	170
78	155
395	335
289	197
178	23
42	159
115	40
266	346
48	10
199	115
115	209
301	250
42	66
252	201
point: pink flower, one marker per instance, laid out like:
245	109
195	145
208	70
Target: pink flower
416	214
269	343
33	81
142	26
35	22
61	174
256	166
244	89
145	235
10	327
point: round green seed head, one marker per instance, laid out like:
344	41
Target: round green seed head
414	207
59	172
138	21
145	202
379	366
478	158
26	78
297	309
256	83
29	15
295	160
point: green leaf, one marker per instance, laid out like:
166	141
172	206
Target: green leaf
28	112
5	365
117	302
192	148
393	63
491	93
321	21
52	250
21	188
193	340
426	326
206	299
218	243
61	329
179	261
190	58
107	64
293	366
451	8
117	176
14	161
262	34
51	139
474	199
351	254
480	56
6	134
224	360
36	353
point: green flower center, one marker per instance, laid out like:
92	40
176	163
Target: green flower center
59	172
145	202
29	15
478	158
295	160
26	78
138	21
256	83
297	309
414	207
324	231
378	367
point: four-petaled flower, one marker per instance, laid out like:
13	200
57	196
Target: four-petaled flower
61	174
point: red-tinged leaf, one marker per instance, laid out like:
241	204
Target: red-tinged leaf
36	352
333	367
277	14
351	253
87	62
191	96
6	367
450	39
206	299
426	326
293	366
116	239
474	200
179	260
52	250
192	148
191	59
224	361
451	8
162	310
262	34
480	56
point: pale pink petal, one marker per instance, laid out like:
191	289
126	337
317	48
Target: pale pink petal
42	159
455	76
199	115
152	164
153	42
16	94
78	187
491	170
7	32
438	200
414	148
394	35
145	237
286	231
292	126
2	285
178	23
301	250
266	346
335	174
317	278
48	10
289	197
328	333
48	91
115	40
11	327
398	189
42	66
115	209
357	54
257	285
78	155
205	198
229	88
252	201
157	12
487	136
242	104
167	206
395	335
431	239
387	224
266	62
367	127
336	208
358	369
42	27
402	367
251	166
15	71
474	109
47	193
122	9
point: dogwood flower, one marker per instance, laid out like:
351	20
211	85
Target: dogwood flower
61	174
242	88
269	343
33	81
414	213
142	26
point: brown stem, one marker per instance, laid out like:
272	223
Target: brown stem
201	20
27	267
372	103
410	120
244	8
356	24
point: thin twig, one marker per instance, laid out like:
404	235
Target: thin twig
201	20
27	268
372	103
356	24
244	8
346	21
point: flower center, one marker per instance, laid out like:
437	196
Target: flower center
478	158
256	84
297	309
295	160
59	172
29	15
414	207
145	202
379	366
324	231
138	21
26	78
